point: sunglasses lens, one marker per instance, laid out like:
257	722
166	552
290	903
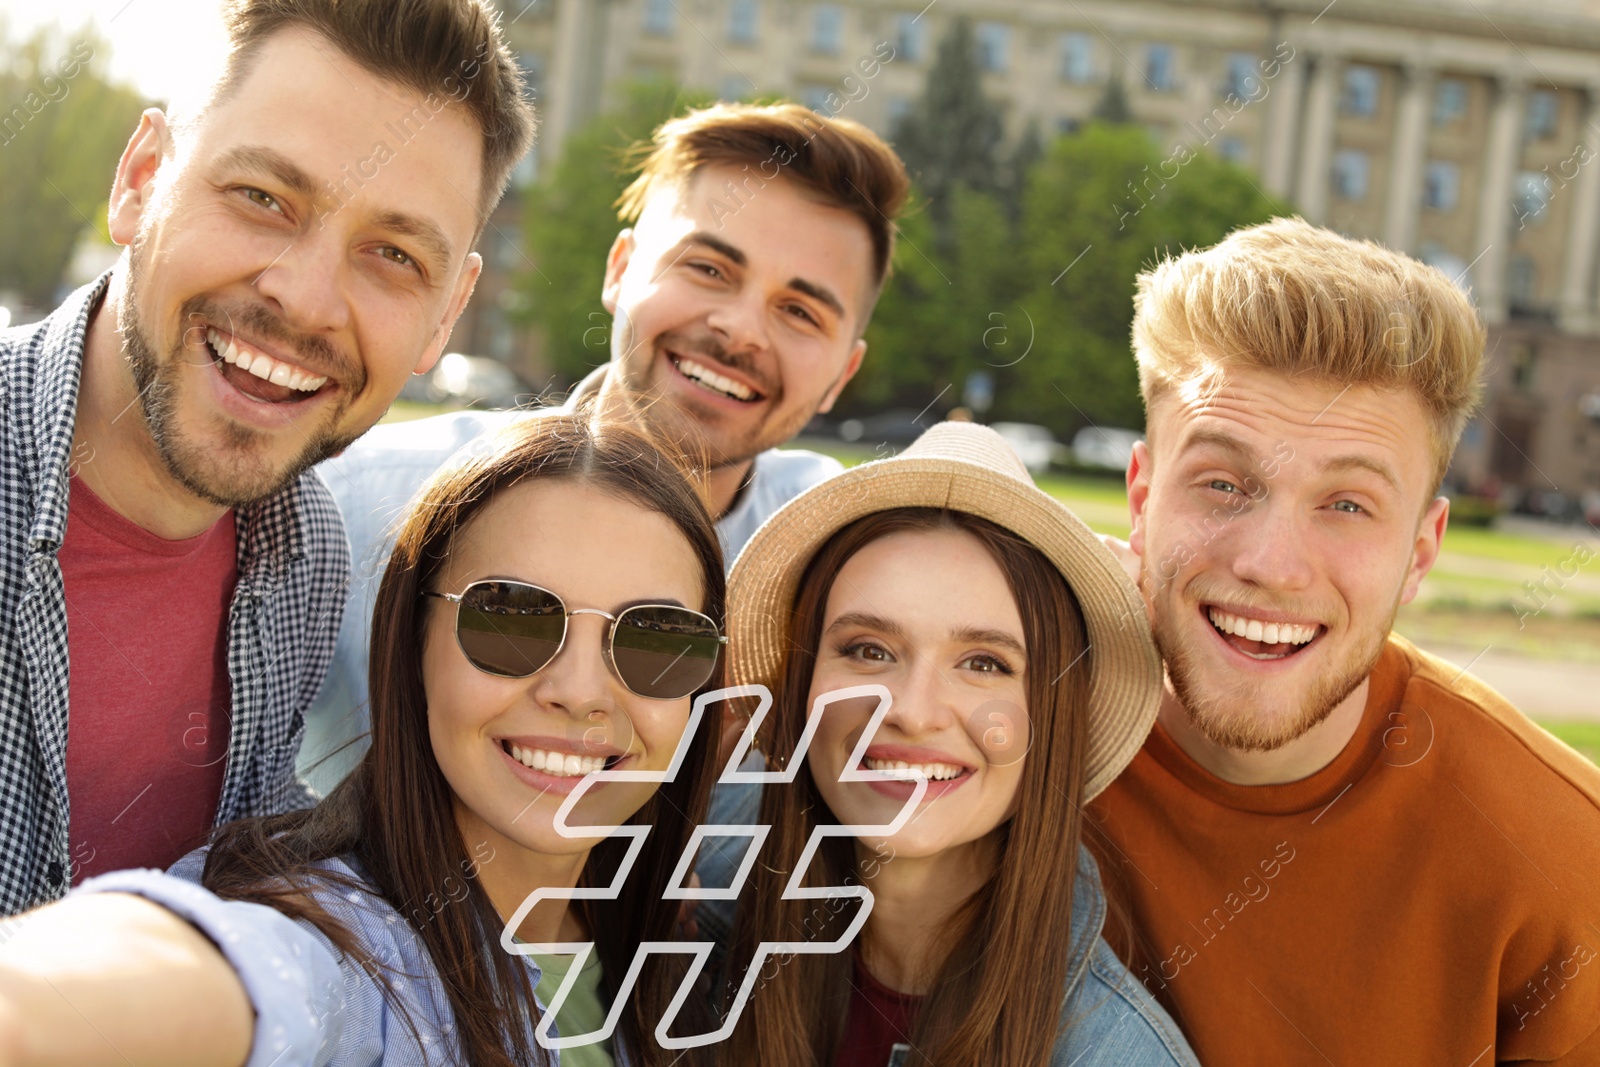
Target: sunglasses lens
508	628
664	652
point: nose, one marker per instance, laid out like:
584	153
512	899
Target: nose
741	321
923	701
1269	547
578	682
305	283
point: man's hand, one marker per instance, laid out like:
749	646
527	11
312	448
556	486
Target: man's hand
1124	553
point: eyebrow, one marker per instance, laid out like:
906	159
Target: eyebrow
1341	464
820	293
425	233
265	160
998	638
1337	465
1222	441
268	161
976	635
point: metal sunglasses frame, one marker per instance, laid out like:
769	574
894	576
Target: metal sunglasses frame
606	642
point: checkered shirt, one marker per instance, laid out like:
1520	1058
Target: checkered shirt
294	566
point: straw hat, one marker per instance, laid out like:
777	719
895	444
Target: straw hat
960	466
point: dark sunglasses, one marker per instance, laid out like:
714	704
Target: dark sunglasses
514	629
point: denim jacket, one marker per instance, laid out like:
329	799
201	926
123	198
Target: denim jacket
1110	1019
313	1005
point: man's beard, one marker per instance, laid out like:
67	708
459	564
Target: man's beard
230	473
683	423
1227	718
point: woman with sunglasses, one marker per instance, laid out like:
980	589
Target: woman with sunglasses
999	674
545	622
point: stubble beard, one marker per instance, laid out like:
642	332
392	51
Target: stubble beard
1232	718
230	473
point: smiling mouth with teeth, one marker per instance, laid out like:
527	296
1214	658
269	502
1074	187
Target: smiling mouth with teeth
292	383
558	764
933	772
1263	640
708	378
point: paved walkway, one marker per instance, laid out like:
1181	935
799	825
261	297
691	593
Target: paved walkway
1540	688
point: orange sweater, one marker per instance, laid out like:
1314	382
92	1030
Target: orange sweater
1432	896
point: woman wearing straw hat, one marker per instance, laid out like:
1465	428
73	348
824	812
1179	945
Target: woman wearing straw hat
992	619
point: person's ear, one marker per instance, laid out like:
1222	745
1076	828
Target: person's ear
853	364
1425	550
1138	493
616	264
132	189
470	270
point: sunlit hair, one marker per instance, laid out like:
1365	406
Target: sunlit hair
450	52
997	999
395	812
1302	301
837	161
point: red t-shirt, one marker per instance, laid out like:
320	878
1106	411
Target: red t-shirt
877	1028
149	695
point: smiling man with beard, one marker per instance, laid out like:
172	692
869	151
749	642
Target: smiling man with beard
1335	847
760	240
173	570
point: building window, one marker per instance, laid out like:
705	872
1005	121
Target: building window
910	39
1360	96
1077	58
827	28
1530	197
1350	175
660	17
1543	109
1449	101
1452	266
1522	283
899	108
742	21
994	46
1158	72
1244	78
1068	126
1232	149
815	97
1441	186
734	88
532	64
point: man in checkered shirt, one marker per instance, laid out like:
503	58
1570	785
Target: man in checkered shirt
296	241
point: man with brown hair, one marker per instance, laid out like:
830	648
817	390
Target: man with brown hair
175	572
761	237
1336	848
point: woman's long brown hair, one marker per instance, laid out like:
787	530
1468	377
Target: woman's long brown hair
998	997
394	813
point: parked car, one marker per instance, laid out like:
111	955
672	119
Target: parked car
898	426
1104	446
1036	445
472	381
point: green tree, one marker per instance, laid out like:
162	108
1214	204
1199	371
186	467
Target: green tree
570	220
1104	205
951	137
1044	306
62	126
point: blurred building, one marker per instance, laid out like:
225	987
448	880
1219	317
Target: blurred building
1465	132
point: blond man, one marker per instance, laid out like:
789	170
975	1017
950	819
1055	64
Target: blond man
1335	847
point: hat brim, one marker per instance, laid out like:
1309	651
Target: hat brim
1126	676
